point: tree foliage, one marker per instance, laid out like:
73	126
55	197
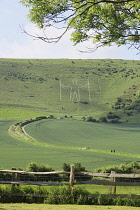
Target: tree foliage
104	22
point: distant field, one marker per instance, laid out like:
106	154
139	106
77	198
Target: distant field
19	113
15	153
124	138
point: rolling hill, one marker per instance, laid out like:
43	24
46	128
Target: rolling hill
37	87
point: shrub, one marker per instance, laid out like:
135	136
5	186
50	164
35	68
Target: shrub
34	167
119	104
83	118
132	167
111	115
103	119
91	119
59	195
114	121
77	168
84	200
41	117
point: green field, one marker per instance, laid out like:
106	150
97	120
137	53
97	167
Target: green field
72	136
124	138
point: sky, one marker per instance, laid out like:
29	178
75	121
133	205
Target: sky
14	43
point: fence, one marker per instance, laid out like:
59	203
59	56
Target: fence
33	178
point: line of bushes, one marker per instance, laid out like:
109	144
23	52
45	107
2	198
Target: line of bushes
30	121
109	118
34	167
61	195
131	167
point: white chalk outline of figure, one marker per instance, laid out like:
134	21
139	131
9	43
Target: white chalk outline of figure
76	92
86	86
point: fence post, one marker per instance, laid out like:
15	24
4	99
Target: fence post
71	178
112	189
15	177
114	180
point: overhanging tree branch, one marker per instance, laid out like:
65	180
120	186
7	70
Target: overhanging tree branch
108	21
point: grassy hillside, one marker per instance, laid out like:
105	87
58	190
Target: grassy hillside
36	87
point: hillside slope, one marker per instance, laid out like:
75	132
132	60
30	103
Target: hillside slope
71	87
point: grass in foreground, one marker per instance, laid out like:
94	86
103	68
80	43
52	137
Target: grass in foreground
61	207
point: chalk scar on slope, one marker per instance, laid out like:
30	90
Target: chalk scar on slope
26	134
